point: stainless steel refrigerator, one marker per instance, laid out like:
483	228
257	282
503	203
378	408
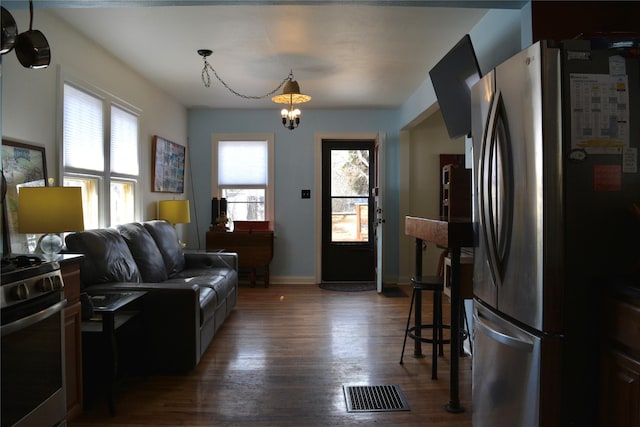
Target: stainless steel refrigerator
555	134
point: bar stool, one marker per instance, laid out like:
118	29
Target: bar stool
434	284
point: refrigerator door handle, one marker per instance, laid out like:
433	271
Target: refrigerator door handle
510	340
485	189
495	188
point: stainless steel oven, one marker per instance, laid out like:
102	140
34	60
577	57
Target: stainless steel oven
32	345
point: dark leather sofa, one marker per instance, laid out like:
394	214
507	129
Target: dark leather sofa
190	294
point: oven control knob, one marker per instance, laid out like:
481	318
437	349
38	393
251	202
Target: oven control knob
21	291
45	284
57	282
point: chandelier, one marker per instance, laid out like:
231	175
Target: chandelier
290	92
290	95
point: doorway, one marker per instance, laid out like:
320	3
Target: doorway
348	210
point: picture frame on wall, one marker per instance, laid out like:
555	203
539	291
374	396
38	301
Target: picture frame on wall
22	165
168	166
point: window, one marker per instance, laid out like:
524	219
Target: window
242	173
100	155
350	193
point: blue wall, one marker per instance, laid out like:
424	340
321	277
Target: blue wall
294	170
500	34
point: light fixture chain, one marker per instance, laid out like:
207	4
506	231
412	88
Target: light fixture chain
206	79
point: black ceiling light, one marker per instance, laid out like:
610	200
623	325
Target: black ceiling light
32	47
9	32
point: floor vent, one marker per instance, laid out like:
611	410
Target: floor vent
374	398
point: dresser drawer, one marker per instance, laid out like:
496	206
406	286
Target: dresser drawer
623	324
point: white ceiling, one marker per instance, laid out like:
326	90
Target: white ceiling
345	54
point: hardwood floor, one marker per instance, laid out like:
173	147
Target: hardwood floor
282	358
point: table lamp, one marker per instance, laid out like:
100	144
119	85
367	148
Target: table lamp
50	210
174	212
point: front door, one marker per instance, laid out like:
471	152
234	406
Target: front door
348	211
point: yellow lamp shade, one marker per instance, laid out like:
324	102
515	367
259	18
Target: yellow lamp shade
50	209
174	211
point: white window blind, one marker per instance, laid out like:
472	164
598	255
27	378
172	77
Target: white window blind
83	130
100	152
124	142
242	163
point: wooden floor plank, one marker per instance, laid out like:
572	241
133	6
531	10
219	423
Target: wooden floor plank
282	358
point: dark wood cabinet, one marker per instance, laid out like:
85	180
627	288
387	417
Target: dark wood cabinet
456	193
254	249
620	368
620	390
70	269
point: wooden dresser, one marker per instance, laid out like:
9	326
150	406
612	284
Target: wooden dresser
620	368
254	249
70	269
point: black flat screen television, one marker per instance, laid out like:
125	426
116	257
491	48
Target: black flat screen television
452	80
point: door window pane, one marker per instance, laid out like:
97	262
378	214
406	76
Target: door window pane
349	195
349	173
349	219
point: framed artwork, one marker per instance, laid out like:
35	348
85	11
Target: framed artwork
168	166
22	165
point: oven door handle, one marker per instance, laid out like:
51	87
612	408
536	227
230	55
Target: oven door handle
32	319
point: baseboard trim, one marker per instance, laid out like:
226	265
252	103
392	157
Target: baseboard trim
310	280
292	280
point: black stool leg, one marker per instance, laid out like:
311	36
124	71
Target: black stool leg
435	336
438	336
440	325
406	330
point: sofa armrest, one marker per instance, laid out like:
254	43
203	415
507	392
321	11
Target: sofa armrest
171	313
200	260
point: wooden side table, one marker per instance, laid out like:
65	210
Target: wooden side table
254	249
70	269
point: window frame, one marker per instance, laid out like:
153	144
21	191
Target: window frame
105	177
216	191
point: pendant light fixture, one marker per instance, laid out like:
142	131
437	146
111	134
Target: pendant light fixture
32	47
291	95
9	31
290	92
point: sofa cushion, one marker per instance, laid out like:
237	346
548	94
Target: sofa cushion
214	290
145	251
222	283
169	245
107	256
208	301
